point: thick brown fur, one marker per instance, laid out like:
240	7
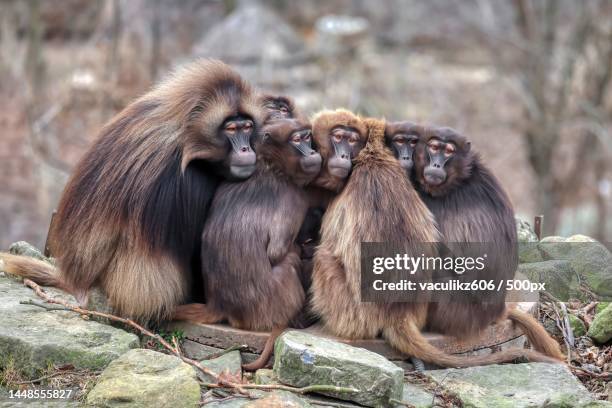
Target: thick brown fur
378	204
250	262
472	207
131	215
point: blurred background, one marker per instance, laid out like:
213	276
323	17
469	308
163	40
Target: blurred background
527	80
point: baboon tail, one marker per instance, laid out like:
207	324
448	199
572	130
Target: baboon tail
262	360
408	339
39	271
537	335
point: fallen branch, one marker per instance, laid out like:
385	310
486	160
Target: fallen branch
41	293
221	382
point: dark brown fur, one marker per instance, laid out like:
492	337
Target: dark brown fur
250	262
131	215
471	206
378	204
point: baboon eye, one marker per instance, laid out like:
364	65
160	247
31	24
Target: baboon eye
337	137
434	147
284	109
231	127
353	139
413	142
450	150
296	138
307	137
400	141
248	125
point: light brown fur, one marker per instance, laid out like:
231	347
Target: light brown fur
378	204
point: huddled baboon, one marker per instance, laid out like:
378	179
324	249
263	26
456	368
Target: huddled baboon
131	215
402	138
250	262
470	206
278	107
379	204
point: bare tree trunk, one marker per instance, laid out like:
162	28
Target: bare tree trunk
112	59
155	39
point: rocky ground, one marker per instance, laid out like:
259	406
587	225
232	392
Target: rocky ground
105	364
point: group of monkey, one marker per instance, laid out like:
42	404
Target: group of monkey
204	190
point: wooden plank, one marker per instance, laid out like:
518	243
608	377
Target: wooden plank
223	336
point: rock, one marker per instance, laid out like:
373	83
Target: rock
197	351
529	252
146	378
252	34
558	276
34	337
524	231
265	376
279	399
514	385
26	249
601	327
577	325
229	363
589	258
601	306
302	359
415	395
340	34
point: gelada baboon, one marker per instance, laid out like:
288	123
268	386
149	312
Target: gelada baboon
470	205
131	215
278	107
250	262
339	141
379	204
402	138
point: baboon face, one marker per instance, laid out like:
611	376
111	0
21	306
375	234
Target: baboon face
402	138
287	143
278	107
346	144
442	158
240	132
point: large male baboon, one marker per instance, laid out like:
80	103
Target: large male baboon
131	215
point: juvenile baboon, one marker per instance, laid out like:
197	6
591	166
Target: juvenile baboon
250	262
379	204
131	215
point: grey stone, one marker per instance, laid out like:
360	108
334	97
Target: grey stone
529	252
146	378
524	231
302	359
591	260
26	249
601	306
415	395
265	376
252	34
34	337
197	351
558	276
514	386
601	327
229	363
577	325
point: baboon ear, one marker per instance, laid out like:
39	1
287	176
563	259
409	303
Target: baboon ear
467	146
265	137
